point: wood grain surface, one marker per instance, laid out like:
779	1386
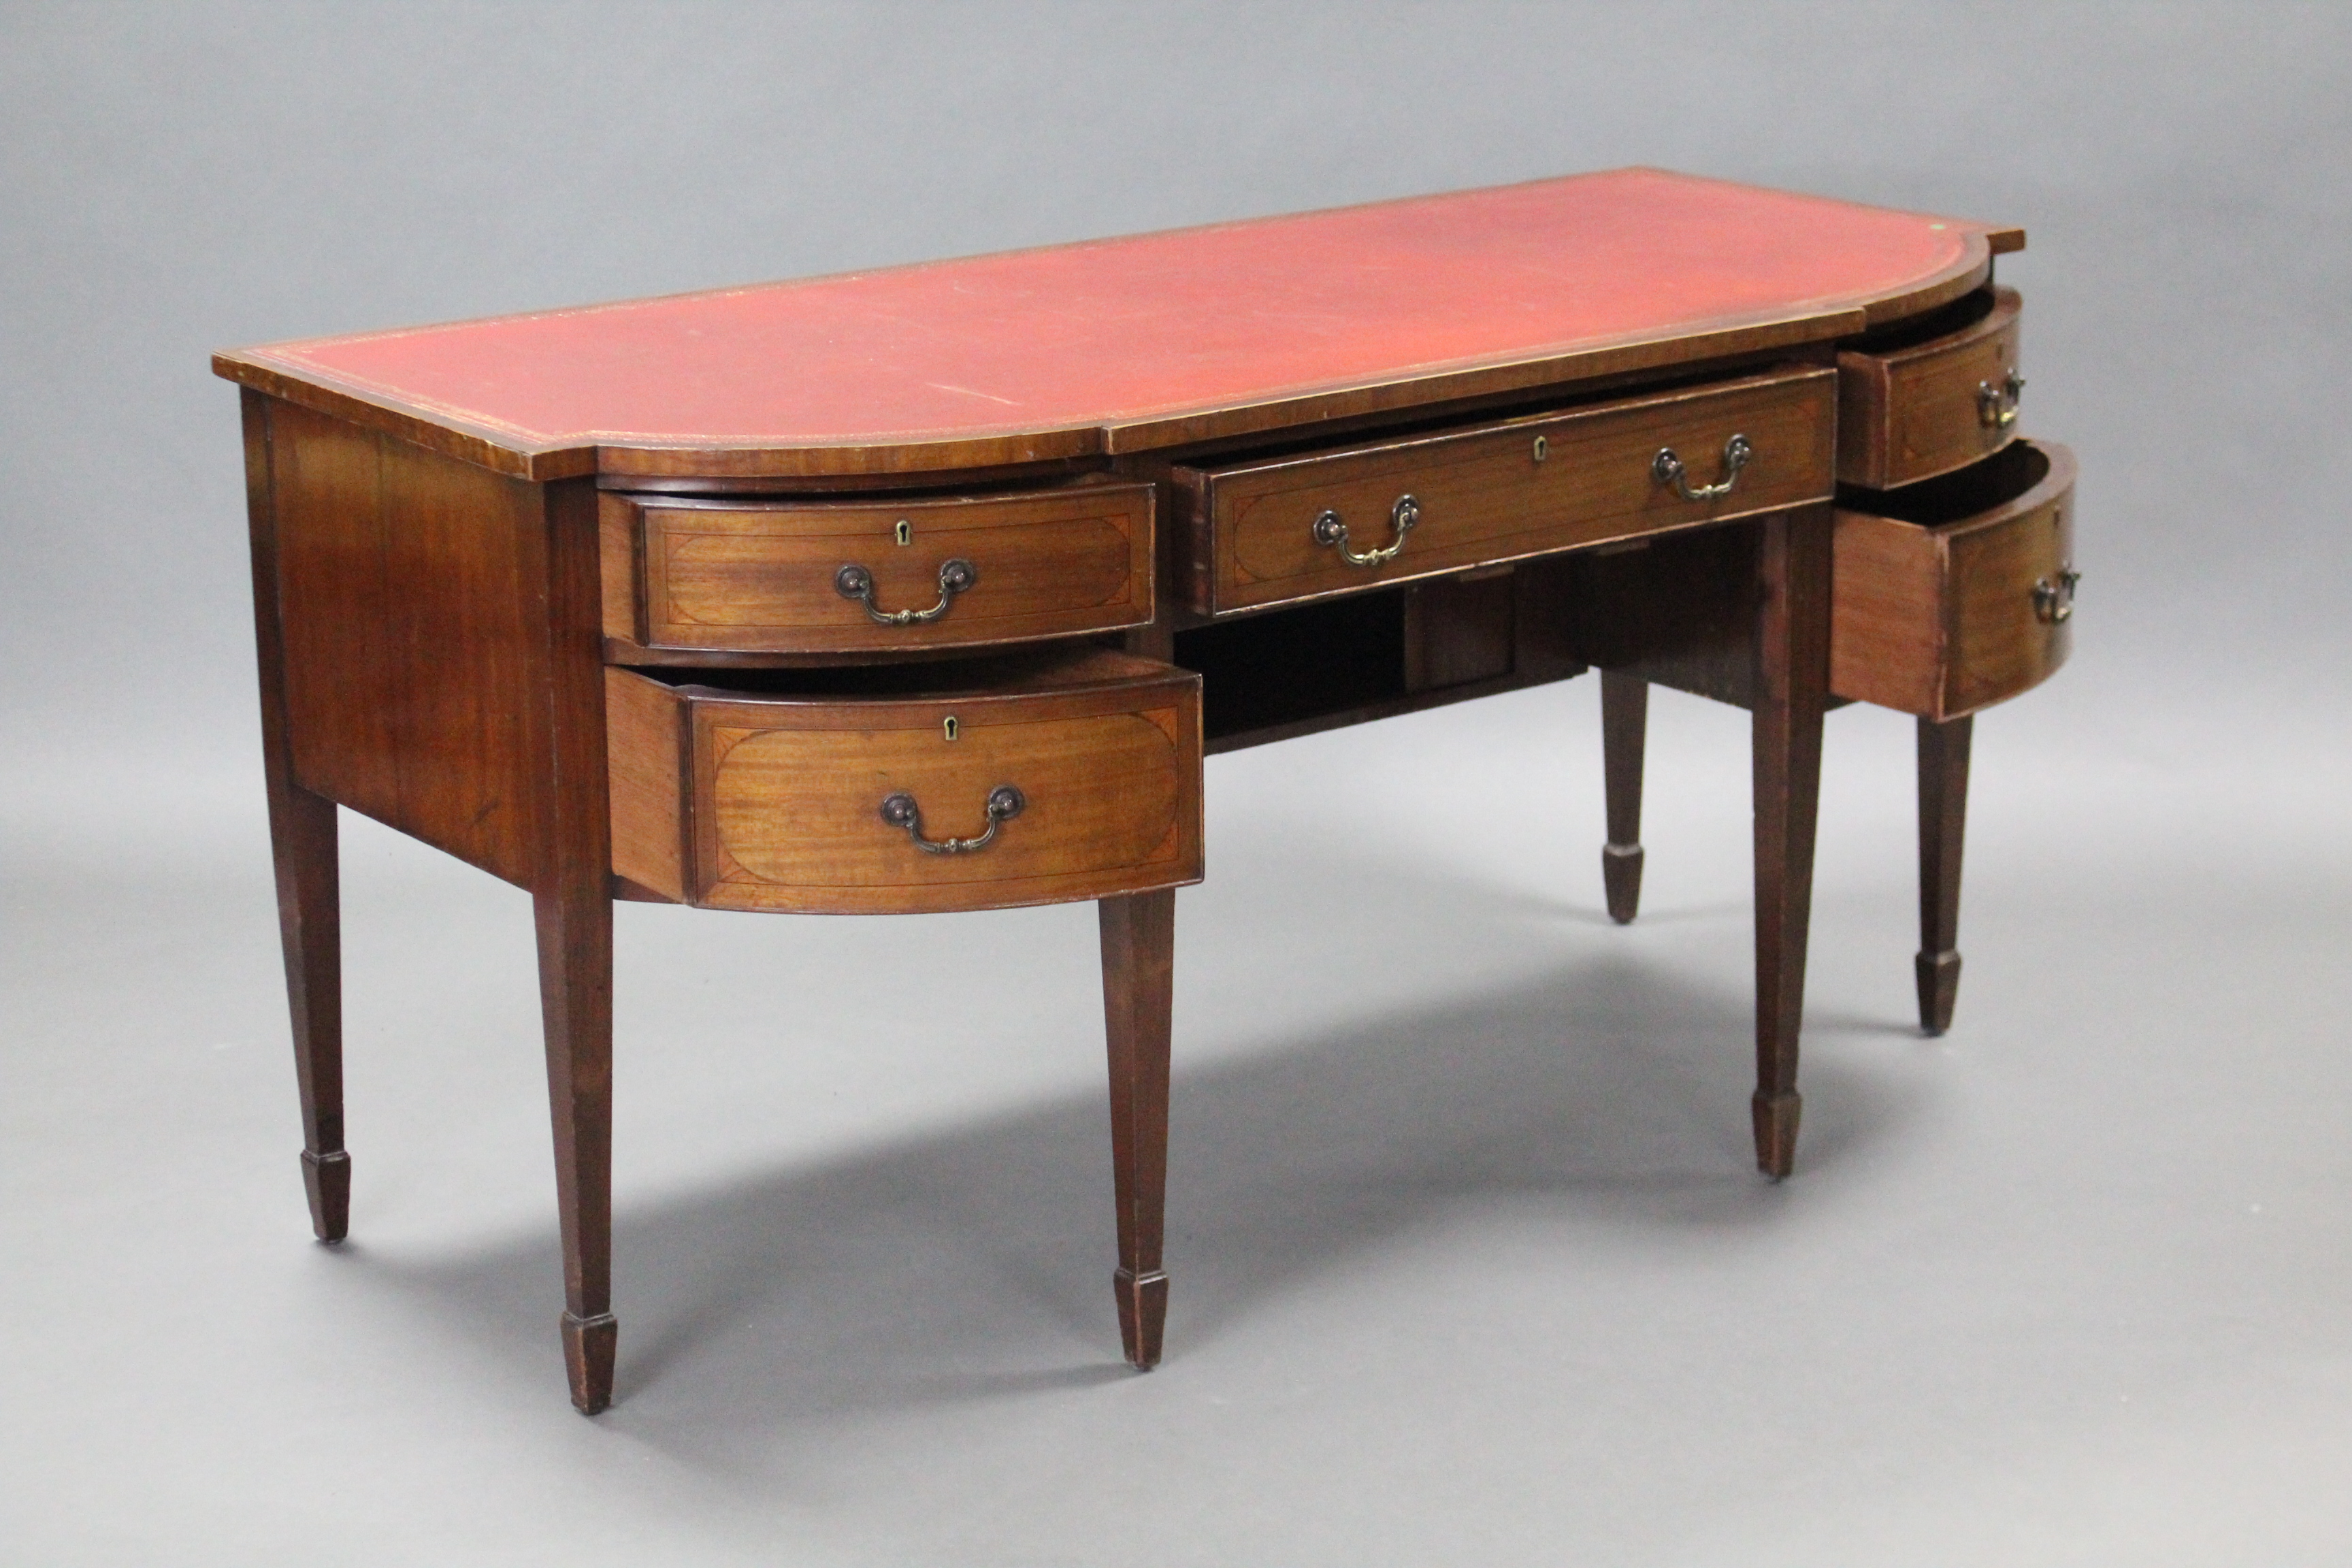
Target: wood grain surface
1935	609
1624	737
1490	493
412	633
1138	962
745	577
1459	629
1911	412
781	800
1943	825
305	853
646	743
1791	683
561	695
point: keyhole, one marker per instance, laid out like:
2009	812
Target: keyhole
903	531
948	727
1543	448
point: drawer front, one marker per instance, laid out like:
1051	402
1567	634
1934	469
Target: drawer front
1916	412
1941	618
1083	786
1269	532
847	577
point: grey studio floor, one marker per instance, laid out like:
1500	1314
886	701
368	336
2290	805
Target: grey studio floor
1470	1261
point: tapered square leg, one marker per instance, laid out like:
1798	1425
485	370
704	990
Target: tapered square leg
1624	725
1142	1314
1138	949
327	1181
572	907
310	927
1943	819
1793	649
303	850
575	978
589	1347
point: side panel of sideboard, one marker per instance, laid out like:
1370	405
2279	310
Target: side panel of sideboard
412	593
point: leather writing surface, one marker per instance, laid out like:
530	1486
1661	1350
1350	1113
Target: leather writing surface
1085	336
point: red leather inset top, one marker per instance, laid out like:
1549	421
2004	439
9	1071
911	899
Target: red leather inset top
1096	336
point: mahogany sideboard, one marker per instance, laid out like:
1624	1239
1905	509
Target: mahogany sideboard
928	588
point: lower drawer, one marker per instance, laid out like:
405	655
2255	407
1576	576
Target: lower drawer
1954	593
899	789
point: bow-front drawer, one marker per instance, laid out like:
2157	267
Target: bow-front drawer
1924	398
905	788
804	576
1954	593
1273	531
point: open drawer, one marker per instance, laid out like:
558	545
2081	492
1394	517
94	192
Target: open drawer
1923	397
1032	778
1958	593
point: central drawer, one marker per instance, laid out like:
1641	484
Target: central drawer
1025	779
1275	531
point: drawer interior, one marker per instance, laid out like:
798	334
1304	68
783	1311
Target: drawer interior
903	678
1959	496
1913	330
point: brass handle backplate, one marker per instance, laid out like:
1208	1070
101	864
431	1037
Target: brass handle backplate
1667	469
1329	530
2053	598
1997	405
855	582
899	810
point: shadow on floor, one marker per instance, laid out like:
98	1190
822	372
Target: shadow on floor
974	1265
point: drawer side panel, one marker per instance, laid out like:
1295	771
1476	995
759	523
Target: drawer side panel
1886	625
645	745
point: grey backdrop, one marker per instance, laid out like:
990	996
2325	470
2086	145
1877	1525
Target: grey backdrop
1468	1262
